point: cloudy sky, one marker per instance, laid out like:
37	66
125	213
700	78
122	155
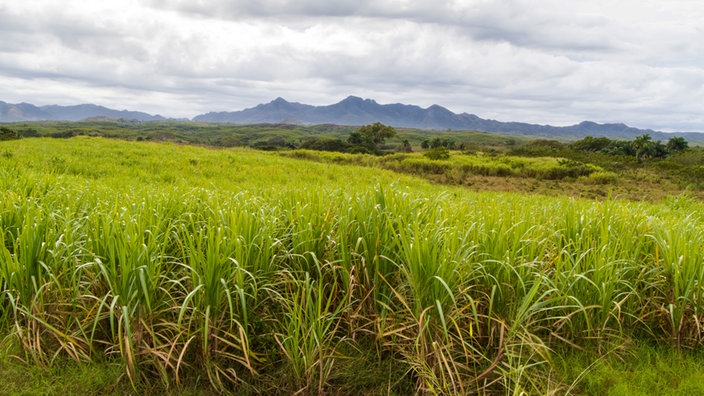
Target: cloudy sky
555	62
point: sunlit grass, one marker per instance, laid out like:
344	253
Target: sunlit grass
260	272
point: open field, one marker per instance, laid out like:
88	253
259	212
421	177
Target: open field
252	272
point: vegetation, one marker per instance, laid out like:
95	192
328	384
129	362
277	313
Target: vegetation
438	143
633	161
590	167
437	153
642	147
8	134
368	137
254	272
558	176
262	136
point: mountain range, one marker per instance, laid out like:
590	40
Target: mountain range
350	111
28	112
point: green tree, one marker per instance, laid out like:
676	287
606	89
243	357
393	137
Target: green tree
442	142
619	147
371	136
676	144
358	139
590	143
377	132
644	147
8	134
338	145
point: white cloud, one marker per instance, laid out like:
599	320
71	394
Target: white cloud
558	62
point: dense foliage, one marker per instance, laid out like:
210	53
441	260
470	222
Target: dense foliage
674	161
8	133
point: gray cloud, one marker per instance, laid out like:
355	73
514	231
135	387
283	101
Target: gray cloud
639	62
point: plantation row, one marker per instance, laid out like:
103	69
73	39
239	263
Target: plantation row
317	285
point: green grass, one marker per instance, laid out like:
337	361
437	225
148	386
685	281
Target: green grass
242	271
643	370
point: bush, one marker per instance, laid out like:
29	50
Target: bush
420	166
591	143
326	145
437	153
29	132
539	148
63	134
8	134
602	177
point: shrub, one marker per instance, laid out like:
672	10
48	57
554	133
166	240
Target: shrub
437	153
29	132
602	177
539	148
8	134
590	143
338	145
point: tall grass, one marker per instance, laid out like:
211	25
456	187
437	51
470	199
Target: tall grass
274	277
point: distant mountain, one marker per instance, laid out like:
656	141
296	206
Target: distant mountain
350	111
276	111
357	111
27	112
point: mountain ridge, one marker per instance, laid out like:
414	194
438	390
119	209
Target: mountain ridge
19	112
352	110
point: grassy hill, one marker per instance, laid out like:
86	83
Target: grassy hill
176	268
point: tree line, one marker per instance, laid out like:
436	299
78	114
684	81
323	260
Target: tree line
643	147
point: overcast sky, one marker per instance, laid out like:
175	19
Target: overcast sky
555	62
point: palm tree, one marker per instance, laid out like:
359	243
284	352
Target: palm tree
644	147
676	144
